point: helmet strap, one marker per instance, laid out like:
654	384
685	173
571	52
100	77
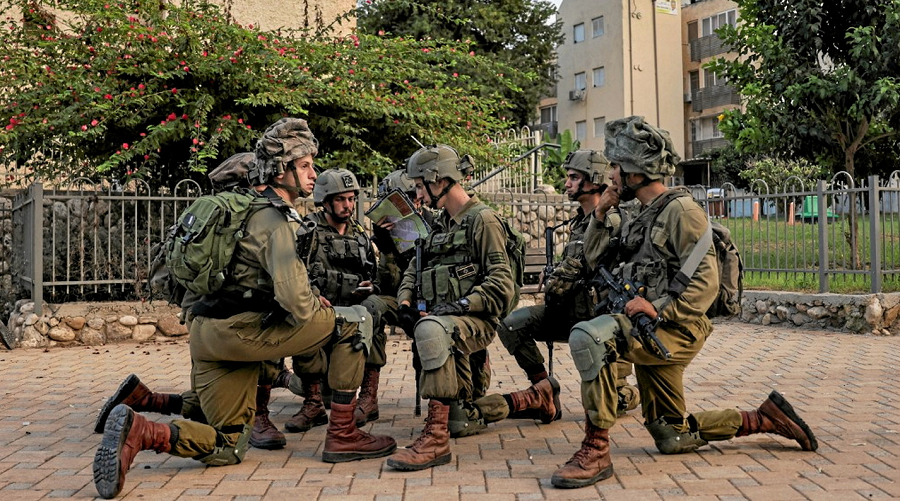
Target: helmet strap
435	199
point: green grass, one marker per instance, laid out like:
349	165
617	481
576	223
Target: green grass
793	250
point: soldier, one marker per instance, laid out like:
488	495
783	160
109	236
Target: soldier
342	270
567	295
467	285
228	343
654	246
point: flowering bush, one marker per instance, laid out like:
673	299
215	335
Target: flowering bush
165	91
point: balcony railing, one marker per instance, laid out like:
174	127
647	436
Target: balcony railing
716	95
704	145
708	46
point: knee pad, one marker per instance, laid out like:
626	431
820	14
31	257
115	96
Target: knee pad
588	343
223	455
671	441
508	330
364	321
434	341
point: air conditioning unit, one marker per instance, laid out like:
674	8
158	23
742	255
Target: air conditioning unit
576	95
688	97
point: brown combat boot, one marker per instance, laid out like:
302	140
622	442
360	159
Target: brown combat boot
590	464
542	397
133	393
367	404
264	434
432	448
345	442
126	433
312	413
777	416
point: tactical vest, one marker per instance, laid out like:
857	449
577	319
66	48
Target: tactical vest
641	238
567	291
449	272
338	262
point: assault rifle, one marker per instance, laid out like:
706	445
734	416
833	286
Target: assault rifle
550	251
619	293
421	305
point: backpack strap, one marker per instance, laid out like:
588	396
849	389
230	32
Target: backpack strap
276	201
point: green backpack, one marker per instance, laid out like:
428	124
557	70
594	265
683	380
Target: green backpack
199	248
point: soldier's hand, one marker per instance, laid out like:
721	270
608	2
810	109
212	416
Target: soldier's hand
407	316
325	303
449	309
640	305
608	199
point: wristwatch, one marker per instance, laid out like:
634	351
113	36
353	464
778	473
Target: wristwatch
465	303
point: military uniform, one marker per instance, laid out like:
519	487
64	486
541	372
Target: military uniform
465	256
567	300
652	249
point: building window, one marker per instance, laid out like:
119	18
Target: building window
578	33
580	81
597	26
599	76
581	130
710	79
695	134
599	126
709	25
548	114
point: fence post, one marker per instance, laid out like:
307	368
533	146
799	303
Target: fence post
37	248
822	218
874	234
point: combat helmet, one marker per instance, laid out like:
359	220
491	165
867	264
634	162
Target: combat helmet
588	162
438	162
334	181
283	142
397	180
640	148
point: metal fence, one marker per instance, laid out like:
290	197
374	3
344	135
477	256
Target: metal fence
86	241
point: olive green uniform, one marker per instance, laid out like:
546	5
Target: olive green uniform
567	300
465	256
229	346
337	264
678	226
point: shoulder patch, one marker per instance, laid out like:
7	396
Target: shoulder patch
497	257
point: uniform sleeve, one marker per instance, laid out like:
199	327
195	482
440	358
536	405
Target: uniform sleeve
497	289
278	256
598	237
686	222
407	289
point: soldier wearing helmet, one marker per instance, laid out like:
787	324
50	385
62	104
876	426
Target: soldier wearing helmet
466	287
229	342
567	295
651	248
342	269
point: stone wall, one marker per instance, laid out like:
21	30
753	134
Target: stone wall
93	324
7	287
853	313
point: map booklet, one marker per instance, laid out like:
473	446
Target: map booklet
397	208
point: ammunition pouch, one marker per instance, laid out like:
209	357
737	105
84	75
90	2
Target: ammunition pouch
357	314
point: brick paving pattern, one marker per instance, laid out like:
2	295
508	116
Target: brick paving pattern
847	387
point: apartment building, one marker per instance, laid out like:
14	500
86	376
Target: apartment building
624	58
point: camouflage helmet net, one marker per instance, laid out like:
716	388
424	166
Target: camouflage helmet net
640	148
334	181
588	162
283	142
437	162
232	172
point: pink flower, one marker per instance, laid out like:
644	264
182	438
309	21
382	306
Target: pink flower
83	127
107	96
94	123
172	116
124	146
174	90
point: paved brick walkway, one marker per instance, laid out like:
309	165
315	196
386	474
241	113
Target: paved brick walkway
847	387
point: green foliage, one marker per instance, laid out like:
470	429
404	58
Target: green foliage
819	79
554	174
515	33
728	164
784	175
126	89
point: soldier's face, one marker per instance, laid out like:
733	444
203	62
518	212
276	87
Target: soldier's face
342	206
574	182
615	177
306	174
422	193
